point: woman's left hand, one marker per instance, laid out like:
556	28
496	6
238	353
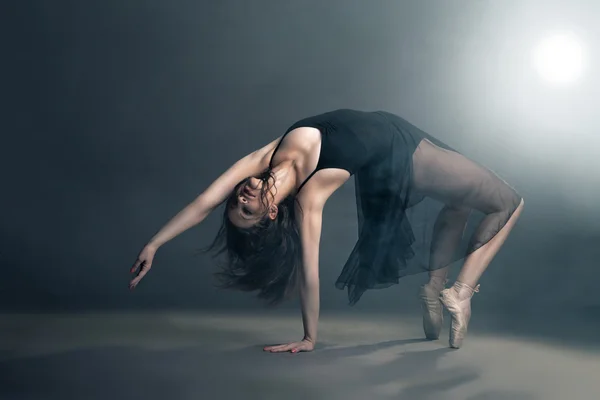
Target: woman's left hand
295	347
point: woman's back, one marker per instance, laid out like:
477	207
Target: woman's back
349	139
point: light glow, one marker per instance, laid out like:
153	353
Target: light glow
559	58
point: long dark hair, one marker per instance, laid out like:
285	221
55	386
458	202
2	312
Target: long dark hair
266	257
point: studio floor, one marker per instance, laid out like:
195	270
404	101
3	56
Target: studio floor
219	356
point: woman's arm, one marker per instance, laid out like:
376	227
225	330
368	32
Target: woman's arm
195	212
310	232
309	278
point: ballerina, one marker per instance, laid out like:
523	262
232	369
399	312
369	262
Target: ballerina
274	198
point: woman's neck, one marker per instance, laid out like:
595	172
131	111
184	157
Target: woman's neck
285	180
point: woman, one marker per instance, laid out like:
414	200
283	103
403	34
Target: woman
274	199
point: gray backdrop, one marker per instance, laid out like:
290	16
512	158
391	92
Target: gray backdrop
117	114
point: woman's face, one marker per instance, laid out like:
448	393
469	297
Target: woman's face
247	208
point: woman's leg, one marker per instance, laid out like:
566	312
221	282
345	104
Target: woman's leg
453	179
457	299
447	233
478	261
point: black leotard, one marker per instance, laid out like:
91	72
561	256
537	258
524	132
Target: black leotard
350	140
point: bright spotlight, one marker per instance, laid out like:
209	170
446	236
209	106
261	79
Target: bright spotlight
559	58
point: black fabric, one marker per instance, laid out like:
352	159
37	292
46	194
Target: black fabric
350	139
421	205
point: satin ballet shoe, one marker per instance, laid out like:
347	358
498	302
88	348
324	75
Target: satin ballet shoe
457	300
432	309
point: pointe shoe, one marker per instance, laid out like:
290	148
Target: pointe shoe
457	300
431	306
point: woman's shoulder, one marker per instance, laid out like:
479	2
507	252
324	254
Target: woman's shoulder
300	140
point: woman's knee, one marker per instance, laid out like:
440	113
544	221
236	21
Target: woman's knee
505	201
516	201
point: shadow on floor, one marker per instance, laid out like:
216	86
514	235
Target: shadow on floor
384	370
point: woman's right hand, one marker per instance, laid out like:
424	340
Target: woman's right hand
142	265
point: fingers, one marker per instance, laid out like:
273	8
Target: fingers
278	348
291	347
136	265
145	268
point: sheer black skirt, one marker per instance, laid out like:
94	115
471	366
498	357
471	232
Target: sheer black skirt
422	207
